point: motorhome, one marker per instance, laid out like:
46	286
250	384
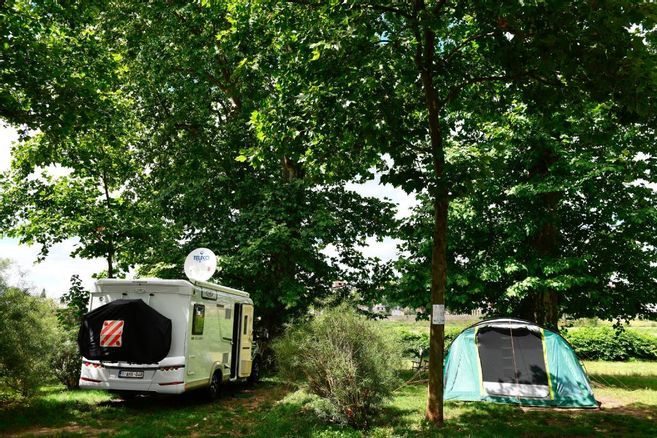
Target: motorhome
166	336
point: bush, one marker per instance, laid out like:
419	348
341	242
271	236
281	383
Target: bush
28	335
605	343
344	360
67	361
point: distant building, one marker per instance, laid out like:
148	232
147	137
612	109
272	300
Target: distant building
379	308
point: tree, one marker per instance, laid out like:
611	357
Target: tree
420	64
602	207
28	333
64	86
268	219
159	165
67	360
4	266
76	300
49	54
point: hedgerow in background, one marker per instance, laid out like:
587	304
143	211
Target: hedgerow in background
345	360
28	335
416	345
605	343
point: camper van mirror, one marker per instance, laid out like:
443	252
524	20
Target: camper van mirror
200	264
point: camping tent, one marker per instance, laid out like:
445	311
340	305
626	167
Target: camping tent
515	361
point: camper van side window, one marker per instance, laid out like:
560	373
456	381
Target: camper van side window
199	319
246	322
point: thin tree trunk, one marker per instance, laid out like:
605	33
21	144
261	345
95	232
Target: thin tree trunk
434	412
424	60
110	267
110	243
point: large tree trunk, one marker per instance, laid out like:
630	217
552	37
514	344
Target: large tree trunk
542	306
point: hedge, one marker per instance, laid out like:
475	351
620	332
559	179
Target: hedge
605	343
416	343
590	343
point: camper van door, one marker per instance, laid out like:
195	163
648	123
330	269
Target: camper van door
246	337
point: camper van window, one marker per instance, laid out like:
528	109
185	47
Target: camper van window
199	319
246	321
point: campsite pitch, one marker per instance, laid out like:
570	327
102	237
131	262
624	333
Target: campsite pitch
628	392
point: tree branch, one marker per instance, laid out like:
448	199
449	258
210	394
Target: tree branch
455	90
364	6
464	43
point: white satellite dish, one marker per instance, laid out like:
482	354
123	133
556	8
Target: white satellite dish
200	264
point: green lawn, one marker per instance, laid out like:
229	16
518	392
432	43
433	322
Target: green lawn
628	392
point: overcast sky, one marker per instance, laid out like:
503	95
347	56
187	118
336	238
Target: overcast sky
54	273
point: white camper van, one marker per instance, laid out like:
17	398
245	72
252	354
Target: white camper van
210	332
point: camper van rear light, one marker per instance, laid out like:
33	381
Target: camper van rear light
91	364
171	383
86	379
172	368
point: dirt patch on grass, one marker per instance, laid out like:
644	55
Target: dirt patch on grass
68	430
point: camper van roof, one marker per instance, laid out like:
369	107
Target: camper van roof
159	281
221	288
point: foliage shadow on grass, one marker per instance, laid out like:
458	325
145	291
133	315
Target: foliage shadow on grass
627	382
174	415
494	420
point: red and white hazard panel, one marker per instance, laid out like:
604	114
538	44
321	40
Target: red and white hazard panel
112	333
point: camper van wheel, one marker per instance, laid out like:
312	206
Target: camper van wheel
213	389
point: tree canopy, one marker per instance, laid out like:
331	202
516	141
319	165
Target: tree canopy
165	166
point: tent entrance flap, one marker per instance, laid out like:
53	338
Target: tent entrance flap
512	362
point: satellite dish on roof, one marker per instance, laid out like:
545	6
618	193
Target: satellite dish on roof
200	264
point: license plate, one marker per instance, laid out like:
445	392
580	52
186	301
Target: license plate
131	374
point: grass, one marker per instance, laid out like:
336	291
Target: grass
628	391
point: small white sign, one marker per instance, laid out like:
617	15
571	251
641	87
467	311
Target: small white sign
438	314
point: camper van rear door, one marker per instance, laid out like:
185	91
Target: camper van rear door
246	341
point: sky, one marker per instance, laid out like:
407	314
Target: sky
53	274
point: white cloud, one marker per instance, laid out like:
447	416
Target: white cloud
374	188
387	248
8	135
54	273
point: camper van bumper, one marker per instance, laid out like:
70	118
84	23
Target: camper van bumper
165	378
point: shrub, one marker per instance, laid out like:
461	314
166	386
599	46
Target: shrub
66	364
343	359
67	361
28	335
605	343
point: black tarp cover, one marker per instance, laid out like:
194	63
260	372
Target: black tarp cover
146	336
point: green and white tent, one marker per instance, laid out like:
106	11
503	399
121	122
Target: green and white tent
515	361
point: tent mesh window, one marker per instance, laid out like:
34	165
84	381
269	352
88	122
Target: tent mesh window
512	362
